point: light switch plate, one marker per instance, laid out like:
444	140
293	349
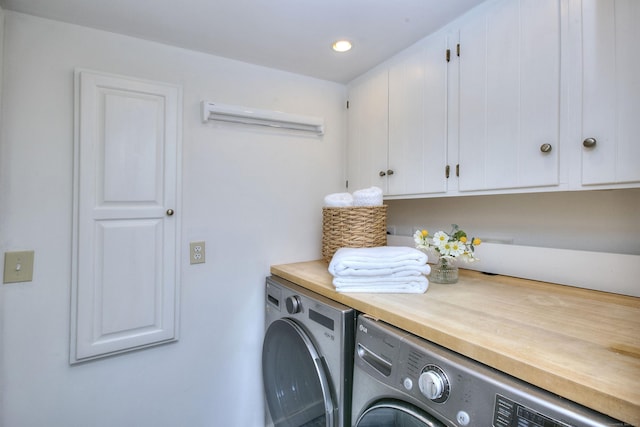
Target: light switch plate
196	252
18	266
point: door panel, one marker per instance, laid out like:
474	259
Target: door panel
610	91
119	244
132	145
125	264
418	120
510	96
368	130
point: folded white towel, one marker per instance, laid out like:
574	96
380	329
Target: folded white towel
377	261
338	200
371	196
402	285
406	271
384	269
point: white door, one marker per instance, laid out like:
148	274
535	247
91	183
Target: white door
126	220
611	92
509	96
368	131
418	120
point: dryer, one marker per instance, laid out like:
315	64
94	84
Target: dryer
401	380
307	358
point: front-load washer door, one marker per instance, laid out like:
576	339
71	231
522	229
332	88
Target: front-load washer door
296	384
389	413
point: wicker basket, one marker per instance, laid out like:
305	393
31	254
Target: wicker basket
353	227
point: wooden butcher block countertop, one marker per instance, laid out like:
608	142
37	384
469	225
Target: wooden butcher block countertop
583	345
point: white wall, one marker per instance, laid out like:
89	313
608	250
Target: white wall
587	239
255	197
599	221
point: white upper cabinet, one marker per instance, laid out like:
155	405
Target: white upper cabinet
539	95
418	120
610	144
509	96
368	130
398	123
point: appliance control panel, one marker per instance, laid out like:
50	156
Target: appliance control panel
508	413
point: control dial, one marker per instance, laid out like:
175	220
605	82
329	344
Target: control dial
293	304
434	384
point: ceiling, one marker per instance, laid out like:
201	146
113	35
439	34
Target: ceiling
290	35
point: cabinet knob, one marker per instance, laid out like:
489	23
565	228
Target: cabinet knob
546	148
382	173
589	142
170	212
389	172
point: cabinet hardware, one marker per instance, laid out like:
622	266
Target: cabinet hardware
589	142
170	212
448	55
458	49
347	105
382	173
546	148
458	170
389	172
446	171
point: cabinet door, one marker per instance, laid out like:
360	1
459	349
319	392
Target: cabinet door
509	96
418	120
127	174
611	91
368	125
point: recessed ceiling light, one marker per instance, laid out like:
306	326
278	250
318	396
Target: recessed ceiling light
342	46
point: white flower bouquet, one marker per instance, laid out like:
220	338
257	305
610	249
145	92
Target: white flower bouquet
448	246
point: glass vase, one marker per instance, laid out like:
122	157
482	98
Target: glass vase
444	272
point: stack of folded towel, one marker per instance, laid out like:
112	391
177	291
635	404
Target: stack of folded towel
371	196
366	197
384	269
338	200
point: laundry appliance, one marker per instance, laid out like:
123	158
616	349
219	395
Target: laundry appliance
401	380
307	358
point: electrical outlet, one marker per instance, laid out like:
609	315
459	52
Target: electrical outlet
196	252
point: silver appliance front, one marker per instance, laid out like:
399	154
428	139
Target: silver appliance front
307	358
401	380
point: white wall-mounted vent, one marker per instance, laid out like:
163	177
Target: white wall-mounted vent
253	116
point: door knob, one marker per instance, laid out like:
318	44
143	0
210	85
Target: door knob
589	142
169	212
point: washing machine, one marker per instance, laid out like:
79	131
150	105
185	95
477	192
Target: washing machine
401	380
307	358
